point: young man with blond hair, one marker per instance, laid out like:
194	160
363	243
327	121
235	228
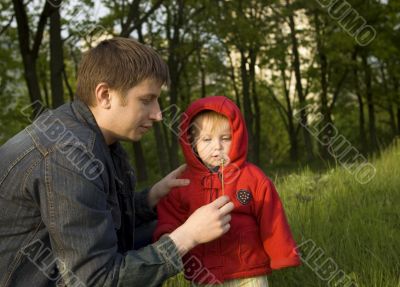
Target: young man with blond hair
68	206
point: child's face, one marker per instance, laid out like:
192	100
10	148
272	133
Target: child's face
213	143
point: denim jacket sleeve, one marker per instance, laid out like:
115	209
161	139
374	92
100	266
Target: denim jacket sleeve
83	237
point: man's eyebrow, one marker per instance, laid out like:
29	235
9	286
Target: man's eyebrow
150	95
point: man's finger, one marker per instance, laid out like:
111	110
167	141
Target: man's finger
179	182
226	228
227	208
226	219
220	201
179	170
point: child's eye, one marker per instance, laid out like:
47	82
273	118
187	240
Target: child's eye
226	138
206	140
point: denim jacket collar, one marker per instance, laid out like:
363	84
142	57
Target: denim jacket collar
85	115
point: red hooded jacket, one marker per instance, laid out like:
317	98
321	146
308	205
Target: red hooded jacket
259	239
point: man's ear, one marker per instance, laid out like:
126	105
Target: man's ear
103	96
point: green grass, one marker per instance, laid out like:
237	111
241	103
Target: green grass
356	226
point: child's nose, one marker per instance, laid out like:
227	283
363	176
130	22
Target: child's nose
219	145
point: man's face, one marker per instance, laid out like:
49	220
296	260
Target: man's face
213	143
133	114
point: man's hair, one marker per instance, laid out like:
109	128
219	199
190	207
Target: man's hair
122	63
204	119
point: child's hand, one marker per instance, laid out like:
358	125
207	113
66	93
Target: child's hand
161	188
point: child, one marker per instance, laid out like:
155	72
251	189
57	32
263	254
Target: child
214	142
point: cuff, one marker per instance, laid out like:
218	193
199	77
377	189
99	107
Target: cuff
168	250
285	262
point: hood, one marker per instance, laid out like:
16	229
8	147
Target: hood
228	108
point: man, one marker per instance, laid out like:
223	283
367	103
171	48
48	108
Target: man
67	208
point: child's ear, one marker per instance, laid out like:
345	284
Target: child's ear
193	144
194	149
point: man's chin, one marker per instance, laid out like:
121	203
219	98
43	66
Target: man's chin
131	138
136	138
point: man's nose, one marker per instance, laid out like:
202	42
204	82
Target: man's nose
155	113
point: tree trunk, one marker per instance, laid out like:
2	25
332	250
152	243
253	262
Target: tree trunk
202	74
248	113
396	93
67	84
299	86
140	162
174	23
370	103
392	118
29	56
135	18
160	146
257	113
163	145
56	60
291	127
326	126
173	148
233	77
43	81
361	117
398	120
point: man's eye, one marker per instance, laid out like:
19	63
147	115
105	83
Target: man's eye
146	101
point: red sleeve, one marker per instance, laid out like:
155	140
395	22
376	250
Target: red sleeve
275	231
171	214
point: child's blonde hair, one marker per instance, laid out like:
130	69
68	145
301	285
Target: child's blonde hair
205	119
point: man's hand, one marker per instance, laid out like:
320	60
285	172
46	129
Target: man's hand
161	188
205	224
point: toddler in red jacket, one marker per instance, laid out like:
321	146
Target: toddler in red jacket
213	138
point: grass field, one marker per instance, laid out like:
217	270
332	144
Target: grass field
345	230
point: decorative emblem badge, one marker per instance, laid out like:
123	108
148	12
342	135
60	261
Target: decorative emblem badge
244	196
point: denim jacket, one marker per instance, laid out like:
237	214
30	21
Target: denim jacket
68	209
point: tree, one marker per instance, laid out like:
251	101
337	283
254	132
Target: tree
299	86
30	51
